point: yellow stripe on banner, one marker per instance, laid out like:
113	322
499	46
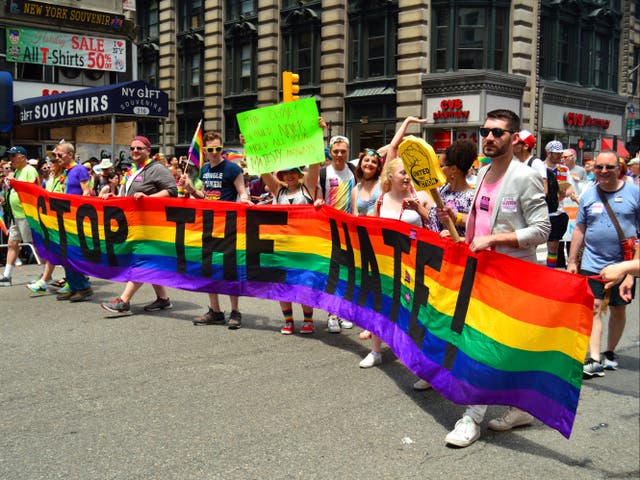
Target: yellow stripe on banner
524	336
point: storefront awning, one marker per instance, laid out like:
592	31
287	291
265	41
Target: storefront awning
607	144
129	99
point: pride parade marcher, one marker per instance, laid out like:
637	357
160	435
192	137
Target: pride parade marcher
296	190
146	178
19	231
76	182
221	180
508	215
597	231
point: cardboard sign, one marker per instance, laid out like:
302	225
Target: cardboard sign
282	136
421	163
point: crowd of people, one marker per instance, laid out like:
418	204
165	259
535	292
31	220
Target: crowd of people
513	204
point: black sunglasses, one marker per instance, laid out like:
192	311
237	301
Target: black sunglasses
214	149
602	167
496	132
137	148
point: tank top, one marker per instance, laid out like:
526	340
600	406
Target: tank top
301	197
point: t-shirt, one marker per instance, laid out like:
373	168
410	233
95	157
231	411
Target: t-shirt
538	165
27	174
218	181
485	201
75	175
153	178
602	244
337	188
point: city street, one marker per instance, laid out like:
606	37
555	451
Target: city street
88	395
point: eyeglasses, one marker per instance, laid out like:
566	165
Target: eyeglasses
602	167
496	132
214	149
137	148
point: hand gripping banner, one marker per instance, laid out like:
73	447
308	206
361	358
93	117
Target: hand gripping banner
481	328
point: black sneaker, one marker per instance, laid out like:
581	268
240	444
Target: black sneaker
5	281
592	368
210	318
158	304
235	320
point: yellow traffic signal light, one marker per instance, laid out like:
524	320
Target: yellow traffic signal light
290	87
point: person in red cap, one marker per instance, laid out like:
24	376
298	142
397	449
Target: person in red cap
523	151
146	178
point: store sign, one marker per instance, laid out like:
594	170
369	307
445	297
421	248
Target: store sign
135	98
27	45
67	15
573	119
22	89
451	110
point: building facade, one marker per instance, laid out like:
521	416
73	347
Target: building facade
570	69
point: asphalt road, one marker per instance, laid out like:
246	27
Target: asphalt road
150	396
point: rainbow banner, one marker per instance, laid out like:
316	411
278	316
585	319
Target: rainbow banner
481	328
196	153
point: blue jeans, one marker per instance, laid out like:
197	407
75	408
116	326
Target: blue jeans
77	281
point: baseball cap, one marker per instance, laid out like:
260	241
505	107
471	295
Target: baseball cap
634	161
527	138
338	139
554	146
20	150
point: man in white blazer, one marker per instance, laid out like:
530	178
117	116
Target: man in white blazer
508	215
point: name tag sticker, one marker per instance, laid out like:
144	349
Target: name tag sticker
509	204
597	208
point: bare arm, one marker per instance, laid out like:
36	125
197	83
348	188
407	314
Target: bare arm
391	150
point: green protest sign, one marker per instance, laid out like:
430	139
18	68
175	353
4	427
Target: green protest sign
282	136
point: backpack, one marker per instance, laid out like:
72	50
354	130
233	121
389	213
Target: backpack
552	189
323	177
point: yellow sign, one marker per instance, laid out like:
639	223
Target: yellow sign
421	163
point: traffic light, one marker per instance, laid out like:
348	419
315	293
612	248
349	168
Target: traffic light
290	87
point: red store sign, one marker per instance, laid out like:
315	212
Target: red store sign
573	119
451	109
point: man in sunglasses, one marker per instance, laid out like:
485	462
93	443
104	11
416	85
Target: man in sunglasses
221	180
19	230
602	246
508	215
146	178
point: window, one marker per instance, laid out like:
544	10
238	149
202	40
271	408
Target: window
578	43
148	19
301	40
372	38
190	15
470	35
241	42
239	9
190	51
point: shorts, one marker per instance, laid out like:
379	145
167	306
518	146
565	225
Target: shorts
559	224
20	231
597	287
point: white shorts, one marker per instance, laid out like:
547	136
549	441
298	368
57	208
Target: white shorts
20	231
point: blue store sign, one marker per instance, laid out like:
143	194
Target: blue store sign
130	99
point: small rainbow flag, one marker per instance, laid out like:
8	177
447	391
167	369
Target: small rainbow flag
3	226
482	328
196	154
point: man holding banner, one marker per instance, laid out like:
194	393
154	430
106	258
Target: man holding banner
508	215
221	180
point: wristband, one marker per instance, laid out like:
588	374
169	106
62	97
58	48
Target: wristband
459	219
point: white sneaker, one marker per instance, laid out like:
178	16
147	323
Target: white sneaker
371	360
512	417
345	323
421	385
333	324
465	432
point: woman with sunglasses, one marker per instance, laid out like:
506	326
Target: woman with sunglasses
400	201
367	191
147	178
54	183
457	193
293	187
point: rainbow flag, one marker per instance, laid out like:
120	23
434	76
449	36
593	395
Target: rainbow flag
196	154
481	328
3	226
